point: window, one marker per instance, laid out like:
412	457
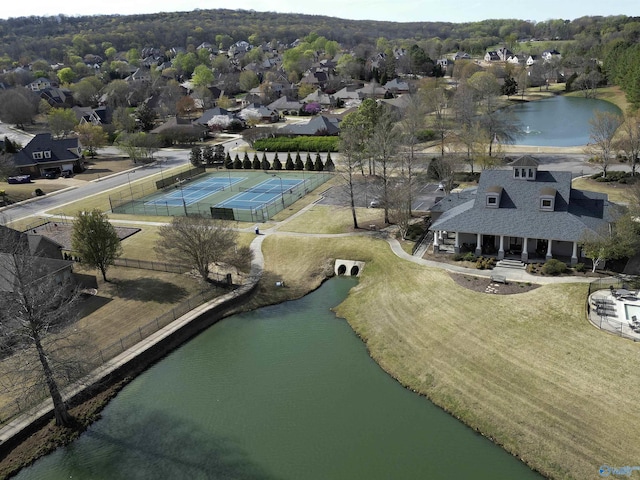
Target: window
546	204
492	201
531	173
37	155
47	154
516	172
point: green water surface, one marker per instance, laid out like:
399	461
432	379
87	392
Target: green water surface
285	392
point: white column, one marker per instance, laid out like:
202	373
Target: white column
436	243
456	245
501	249
574	254
549	243
525	250
478	244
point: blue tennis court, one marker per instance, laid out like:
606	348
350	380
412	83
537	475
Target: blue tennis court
190	193
261	194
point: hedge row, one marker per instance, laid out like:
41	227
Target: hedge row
297	144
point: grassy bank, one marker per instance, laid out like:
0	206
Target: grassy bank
527	370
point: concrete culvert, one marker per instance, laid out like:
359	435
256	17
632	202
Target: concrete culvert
342	269
355	270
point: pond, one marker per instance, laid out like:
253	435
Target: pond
284	392
558	121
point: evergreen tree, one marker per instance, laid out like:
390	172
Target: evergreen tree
318	166
298	164
196	157
228	163
256	163
265	163
308	165
328	165
277	164
208	155
289	163
246	163
237	163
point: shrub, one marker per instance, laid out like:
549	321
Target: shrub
303	143
553	267
484	263
469	257
38	192
458	257
579	267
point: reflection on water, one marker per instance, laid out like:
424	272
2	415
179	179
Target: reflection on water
285	392
558	121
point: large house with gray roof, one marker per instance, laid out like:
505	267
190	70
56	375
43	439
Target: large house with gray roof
523	213
44	153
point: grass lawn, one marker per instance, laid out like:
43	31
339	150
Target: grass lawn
617	192
334	219
526	370
24	191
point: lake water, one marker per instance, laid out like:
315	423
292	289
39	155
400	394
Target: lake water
558	121
285	392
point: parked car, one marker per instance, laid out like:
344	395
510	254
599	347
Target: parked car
19	179
51	174
66	174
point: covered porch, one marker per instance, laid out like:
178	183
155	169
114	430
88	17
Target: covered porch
503	246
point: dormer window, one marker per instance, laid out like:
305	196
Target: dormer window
37	155
493	196
47	154
547	199
525	168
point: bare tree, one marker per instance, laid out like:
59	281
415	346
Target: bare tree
604	126
383	148
351	150
198	242
37	303
629	141
413	121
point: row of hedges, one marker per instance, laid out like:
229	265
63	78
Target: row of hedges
296	144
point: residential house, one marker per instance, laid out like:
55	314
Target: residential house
522	212
491	56
286	106
260	113
397	86
40	84
217	118
532	60
319	125
44	153
181	125
323	99
95	116
461	56
372	90
549	55
504	53
517	59
57	97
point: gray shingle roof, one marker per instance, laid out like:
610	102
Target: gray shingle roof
61	150
519	213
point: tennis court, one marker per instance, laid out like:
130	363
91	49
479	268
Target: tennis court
188	193
242	195
261	194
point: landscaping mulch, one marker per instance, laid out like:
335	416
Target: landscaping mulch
485	285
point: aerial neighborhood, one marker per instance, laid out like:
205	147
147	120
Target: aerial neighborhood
160	173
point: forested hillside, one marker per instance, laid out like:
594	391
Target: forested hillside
27	39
